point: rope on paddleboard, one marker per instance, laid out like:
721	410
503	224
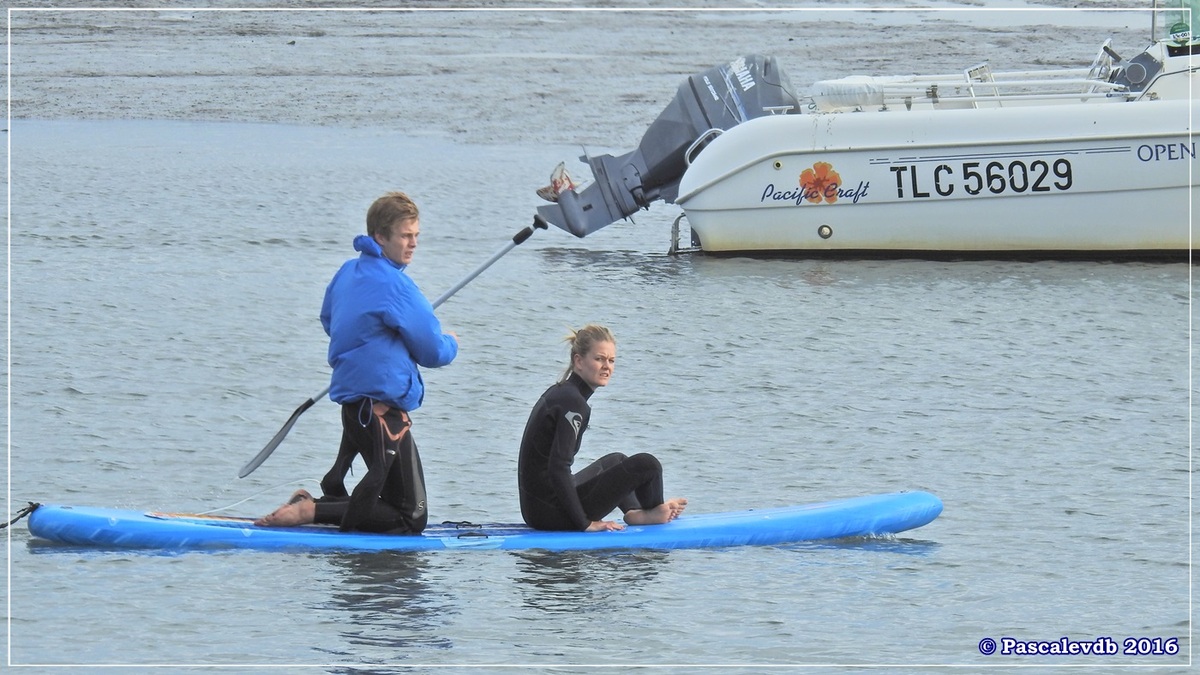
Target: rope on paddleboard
466	525
301	481
33	506
461	524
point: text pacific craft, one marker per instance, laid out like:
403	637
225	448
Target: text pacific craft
1093	161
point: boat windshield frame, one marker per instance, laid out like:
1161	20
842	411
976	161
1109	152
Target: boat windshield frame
1168	16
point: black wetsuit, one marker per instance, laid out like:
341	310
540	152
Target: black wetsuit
391	496
554	499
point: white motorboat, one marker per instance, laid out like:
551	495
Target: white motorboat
1090	162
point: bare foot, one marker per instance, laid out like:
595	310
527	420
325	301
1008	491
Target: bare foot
298	511
663	513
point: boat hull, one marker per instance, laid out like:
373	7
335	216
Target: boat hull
1102	178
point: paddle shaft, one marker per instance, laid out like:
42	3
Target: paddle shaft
518	238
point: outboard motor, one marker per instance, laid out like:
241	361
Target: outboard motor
718	98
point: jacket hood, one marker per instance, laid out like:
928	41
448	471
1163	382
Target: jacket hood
366	244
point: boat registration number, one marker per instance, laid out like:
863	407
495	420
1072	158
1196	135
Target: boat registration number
976	178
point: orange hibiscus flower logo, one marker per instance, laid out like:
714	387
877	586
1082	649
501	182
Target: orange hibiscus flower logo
820	183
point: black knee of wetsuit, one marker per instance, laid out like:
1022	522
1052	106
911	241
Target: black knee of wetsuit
390	497
649	493
628	483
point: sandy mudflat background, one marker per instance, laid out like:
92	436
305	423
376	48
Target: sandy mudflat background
555	72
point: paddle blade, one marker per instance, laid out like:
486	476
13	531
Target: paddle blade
276	440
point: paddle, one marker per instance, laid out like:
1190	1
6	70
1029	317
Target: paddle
538	223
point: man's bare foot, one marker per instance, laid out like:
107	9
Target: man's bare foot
296	512
663	513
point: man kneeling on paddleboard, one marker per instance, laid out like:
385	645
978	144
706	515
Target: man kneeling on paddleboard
381	328
554	499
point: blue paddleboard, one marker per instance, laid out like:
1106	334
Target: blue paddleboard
857	517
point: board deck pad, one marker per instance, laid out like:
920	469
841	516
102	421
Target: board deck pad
871	515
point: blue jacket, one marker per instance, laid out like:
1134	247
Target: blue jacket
380	329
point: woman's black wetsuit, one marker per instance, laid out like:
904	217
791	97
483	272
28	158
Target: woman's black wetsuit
554	499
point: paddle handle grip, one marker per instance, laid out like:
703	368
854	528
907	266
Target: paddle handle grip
538	222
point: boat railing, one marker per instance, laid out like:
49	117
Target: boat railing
1009	89
975	86
998	76
1013	87
701	141
971	87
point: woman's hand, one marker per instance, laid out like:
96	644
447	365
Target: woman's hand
604	526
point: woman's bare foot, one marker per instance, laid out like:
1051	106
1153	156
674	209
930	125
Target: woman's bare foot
299	510
663	513
677	505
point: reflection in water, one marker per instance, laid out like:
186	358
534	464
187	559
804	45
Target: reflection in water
359	670
581	582
879	544
617	264
385	600
38	546
659	267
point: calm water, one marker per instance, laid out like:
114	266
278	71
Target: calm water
165	281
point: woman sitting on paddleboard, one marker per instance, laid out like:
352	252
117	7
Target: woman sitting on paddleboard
554	499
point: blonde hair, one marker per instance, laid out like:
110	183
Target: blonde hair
389	210
582	341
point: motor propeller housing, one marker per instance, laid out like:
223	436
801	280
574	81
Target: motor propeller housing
718	98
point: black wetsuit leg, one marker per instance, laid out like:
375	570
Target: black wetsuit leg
591	471
391	496
620	481
333	485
